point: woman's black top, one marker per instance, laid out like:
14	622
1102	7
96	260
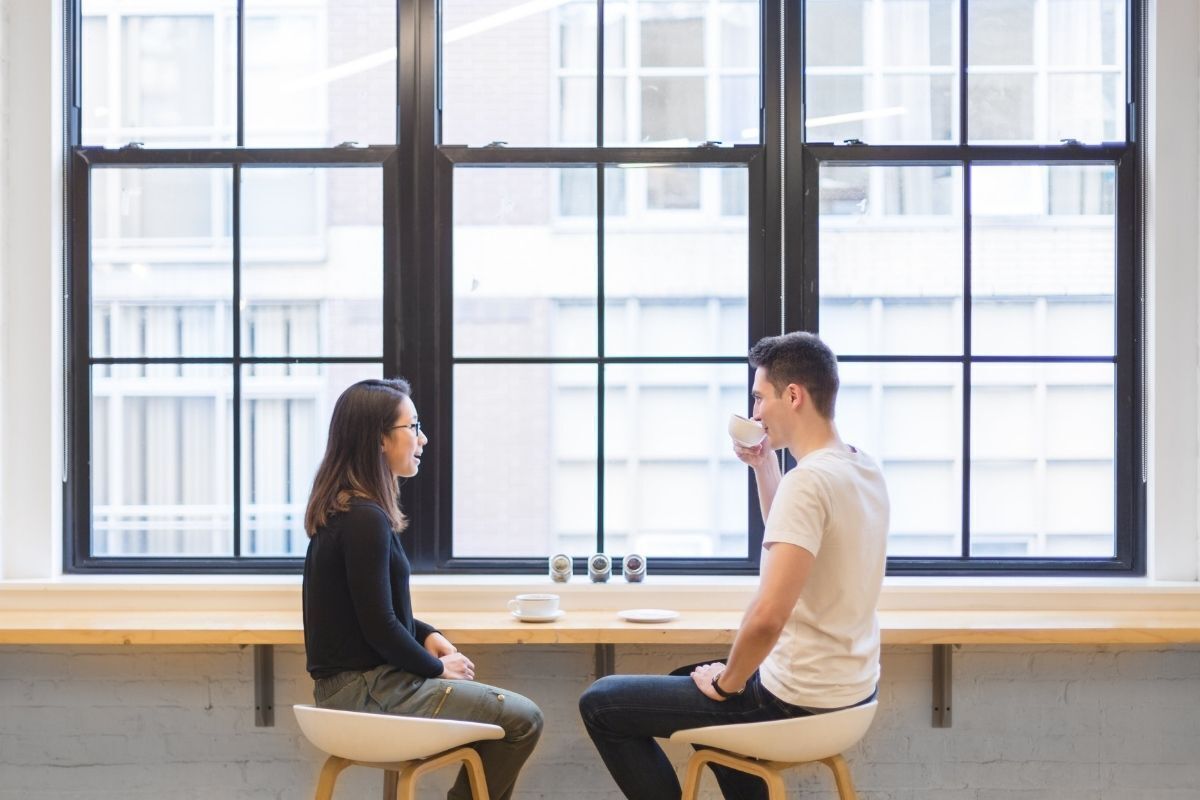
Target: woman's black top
357	608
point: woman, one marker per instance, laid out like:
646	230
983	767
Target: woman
365	650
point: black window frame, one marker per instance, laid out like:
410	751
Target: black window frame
417	314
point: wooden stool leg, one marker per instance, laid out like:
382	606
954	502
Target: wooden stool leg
329	775
695	768
841	775
769	771
776	788
406	788
474	767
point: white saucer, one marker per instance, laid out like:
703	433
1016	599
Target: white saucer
648	615
538	617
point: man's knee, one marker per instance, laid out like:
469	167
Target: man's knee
597	697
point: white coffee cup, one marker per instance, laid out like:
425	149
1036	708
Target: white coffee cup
745	432
534	605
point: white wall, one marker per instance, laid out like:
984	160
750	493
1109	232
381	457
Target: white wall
1070	723
30	270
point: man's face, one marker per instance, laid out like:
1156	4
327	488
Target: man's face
770	409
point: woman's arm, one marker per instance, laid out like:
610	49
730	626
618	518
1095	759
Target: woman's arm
366	544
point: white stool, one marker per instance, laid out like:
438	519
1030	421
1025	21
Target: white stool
766	749
406	746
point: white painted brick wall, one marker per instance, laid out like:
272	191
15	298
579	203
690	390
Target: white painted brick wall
1061	723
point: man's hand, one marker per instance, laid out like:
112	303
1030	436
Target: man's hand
439	645
758	457
703	676
457	667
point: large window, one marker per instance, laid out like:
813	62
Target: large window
566	223
971	240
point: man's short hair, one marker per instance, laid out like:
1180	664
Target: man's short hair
803	359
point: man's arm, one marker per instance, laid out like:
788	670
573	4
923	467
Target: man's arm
767	475
785	570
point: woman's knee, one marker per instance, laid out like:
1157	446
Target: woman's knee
522	719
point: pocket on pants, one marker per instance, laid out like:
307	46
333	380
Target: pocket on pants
350	697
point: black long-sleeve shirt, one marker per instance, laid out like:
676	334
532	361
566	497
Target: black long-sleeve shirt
357	608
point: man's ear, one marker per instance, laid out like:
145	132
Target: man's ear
796	395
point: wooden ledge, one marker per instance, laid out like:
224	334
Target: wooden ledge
694	627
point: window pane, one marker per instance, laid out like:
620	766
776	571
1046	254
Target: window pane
836	31
882	72
164	439
1043	72
543	500
891	259
162	276
1000	107
1046	265
312	262
673	110
515	264
163	79
673	486
908	417
285	421
668	276
502	63
98	109
681	73
833	109
1001	32
672	34
321	74
1090	108
1042	469
739	110
739	35
1086	39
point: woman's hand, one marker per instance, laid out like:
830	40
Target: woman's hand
439	645
457	667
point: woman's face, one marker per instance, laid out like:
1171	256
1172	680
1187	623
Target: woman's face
404	442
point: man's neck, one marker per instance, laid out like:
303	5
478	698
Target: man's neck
816	437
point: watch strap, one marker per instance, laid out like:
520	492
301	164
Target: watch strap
717	687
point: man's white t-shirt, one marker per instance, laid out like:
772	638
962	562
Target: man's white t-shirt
834	504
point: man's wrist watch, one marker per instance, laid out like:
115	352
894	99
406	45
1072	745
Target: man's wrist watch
717	687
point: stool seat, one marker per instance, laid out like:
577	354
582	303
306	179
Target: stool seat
359	736
794	740
766	749
404	747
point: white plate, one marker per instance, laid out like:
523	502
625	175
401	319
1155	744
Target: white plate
538	617
648	615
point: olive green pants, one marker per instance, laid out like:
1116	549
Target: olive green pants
387	690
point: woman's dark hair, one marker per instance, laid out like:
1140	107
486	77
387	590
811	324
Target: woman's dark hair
354	464
802	359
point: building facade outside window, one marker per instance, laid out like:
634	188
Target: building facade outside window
568	228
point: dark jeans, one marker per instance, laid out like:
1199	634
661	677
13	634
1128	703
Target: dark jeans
623	714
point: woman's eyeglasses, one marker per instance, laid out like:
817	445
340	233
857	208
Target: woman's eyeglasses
416	427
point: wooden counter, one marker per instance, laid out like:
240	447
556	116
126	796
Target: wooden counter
124	627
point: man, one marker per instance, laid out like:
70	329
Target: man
809	641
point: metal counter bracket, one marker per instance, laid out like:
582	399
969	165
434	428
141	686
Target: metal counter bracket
606	660
264	685
943	684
